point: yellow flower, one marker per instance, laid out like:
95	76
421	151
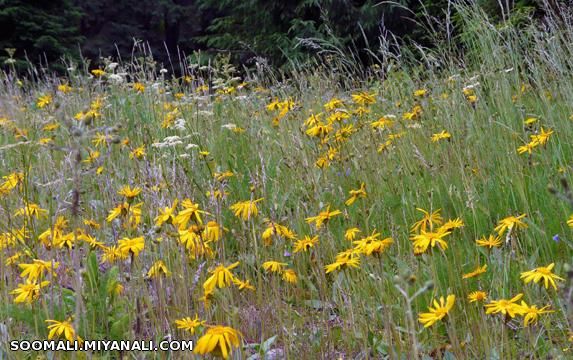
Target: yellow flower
128	192
531	313
289	275
221	176
65	88
509	223
158	269
377	246
189	324
131	246
243	285
451	224
212	231
490	242
92	157
427	239
112	254
274	266
441	136
363	98
246	209
222	277
429	220
438	311
166	215
218	340
420	92
333	104
351	233
386	121
119	210
477	296
43	101
275	229
478	271
570	221
305	244
542	137
355	194
139	87
61	327
343	262
323	217
28	292
31	210
137	153
527	148
505	307
37	269
98	72
541	273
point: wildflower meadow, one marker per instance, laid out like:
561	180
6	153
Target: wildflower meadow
421	209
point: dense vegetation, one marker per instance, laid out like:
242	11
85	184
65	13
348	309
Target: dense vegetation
418	207
280	32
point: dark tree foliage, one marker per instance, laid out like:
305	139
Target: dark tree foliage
111	26
274	29
41	30
279	31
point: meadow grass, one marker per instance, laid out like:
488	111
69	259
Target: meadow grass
258	130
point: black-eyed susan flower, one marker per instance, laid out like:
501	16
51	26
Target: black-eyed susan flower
438	311
541	273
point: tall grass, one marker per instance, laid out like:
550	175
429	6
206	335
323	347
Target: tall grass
370	312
